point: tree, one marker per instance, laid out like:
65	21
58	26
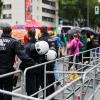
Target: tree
77	10
68	9
87	5
1	4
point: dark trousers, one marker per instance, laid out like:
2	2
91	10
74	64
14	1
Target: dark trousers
87	55
6	84
49	79
32	83
80	57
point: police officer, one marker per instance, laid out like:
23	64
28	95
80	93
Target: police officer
50	77
32	78
9	48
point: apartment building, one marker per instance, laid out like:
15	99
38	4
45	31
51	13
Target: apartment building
22	11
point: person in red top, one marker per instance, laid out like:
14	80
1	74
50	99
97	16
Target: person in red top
26	39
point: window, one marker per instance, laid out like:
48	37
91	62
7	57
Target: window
7	16
47	19
4	16
7	6
48	11
52	3
10	16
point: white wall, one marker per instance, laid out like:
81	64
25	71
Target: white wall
36	10
18	12
37	13
49	24
7	12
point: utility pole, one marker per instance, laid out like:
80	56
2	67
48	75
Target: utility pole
88	13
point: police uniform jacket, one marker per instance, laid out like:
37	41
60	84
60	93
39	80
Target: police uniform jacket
9	47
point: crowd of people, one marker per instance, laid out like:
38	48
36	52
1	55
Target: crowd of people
63	44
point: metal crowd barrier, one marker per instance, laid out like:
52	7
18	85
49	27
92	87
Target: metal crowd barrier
69	89
17	95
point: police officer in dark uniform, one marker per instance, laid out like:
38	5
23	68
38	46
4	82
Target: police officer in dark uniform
50	77
9	48
32	78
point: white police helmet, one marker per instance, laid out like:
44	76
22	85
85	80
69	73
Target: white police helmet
51	55
41	47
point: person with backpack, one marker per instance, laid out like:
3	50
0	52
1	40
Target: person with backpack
73	47
32	78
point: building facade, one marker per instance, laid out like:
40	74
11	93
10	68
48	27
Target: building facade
20	11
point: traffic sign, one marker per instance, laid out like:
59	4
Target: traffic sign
96	10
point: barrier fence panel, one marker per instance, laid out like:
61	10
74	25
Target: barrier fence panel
63	61
80	82
17	96
94	59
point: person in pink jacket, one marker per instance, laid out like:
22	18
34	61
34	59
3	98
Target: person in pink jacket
73	47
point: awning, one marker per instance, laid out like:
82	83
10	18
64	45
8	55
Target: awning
32	23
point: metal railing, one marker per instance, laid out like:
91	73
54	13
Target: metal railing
82	80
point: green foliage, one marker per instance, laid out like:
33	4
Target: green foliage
77	9
1	4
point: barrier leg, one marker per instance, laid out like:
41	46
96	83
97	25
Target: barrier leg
45	81
23	85
82	90
73	88
94	84
63	80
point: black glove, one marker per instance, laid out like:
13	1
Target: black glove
22	66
